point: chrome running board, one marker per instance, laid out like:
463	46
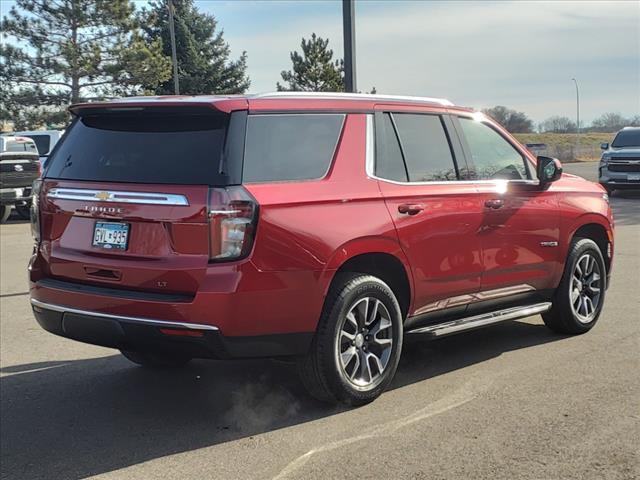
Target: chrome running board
477	321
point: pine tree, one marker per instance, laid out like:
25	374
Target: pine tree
204	66
314	70
72	50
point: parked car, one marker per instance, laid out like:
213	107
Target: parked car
19	167
45	140
620	162
320	228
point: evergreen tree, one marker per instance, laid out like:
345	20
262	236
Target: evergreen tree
314	70
68	51
204	66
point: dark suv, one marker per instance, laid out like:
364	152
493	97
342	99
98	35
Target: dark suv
620	162
322	228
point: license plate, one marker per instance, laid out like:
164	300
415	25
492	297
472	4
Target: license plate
633	177
111	235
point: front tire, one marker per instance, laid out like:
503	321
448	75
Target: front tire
579	298
357	346
156	359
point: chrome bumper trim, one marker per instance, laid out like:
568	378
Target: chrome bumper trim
123	318
482	320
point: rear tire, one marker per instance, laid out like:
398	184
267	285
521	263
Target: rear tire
356	349
5	213
578	300
156	359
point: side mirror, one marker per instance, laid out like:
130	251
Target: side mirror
604	146
548	170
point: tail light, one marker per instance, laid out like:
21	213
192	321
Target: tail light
233	216
35	209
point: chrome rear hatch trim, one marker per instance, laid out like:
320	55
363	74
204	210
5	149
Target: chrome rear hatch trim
144	198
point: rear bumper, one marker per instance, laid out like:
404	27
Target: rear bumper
140	334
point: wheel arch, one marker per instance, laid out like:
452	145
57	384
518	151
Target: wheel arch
379	257
601	233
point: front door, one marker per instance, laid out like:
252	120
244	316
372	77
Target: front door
520	227
419	164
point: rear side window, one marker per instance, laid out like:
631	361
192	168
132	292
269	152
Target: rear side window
290	146
43	143
493	156
144	148
426	149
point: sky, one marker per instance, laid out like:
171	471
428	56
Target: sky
522	54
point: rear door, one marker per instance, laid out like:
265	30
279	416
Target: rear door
520	221
421	168
124	198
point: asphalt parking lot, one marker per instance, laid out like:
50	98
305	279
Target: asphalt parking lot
510	401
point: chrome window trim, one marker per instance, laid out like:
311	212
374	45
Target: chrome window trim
123	318
370	168
142	198
294	114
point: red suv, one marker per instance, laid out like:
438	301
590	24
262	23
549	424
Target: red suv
318	227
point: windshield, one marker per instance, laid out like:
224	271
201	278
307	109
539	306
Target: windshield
627	138
143	148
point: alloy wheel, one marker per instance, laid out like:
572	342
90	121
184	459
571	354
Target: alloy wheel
365	342
586	288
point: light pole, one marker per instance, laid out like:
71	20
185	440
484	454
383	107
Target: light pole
577	117
174	57
349	36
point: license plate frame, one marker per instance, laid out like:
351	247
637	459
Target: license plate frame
104	233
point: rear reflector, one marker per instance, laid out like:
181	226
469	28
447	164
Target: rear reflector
181	332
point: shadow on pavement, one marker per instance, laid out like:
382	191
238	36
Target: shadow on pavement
77	418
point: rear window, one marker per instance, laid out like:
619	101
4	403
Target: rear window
143	148
20	146
290	146
627	138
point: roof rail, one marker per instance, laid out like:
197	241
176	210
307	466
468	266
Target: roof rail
353	96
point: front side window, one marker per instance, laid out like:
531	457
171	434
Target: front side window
493	157
290	147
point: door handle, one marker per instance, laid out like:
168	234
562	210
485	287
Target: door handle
410	208
494	203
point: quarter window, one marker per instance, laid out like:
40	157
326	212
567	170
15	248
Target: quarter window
290	147
493	157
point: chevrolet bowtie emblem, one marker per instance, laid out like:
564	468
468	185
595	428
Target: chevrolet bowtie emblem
103	196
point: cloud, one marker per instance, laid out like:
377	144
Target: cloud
522	54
